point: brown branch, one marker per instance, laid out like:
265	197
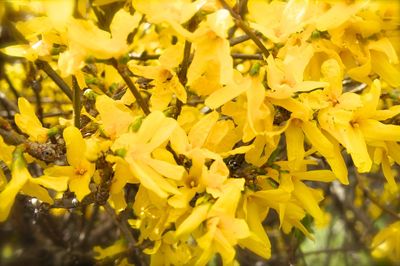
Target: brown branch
37	87
184	66
241	24
11	137
143	57
331	250
239	39
76	100
11	86
247	56
374	200
122	70
45	66
122	225
8	105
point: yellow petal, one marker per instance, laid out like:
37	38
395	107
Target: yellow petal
295	145
80	186
159	11
384	69
37	191
27	121
122	24
7	196
387	172
227	93
316	175
169	170
375	130
308	202
109	110
356	146
152	180
199	132
59	171
5	152
337	14
317	138
59	183
76	146
196	217
258	241
394	151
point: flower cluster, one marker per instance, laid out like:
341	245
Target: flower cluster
213	142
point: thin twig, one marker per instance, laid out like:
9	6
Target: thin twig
76	99
37	87
239	39
330	250
45	66
122	225
122	70
8	104
11	86
182	74
241	24
247	56
89	226
143	57
374	200
11	137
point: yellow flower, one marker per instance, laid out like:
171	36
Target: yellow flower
178	11
109	110
260	113
165	80
27	121
154	174
277	20
285	75
386	244
110	251
355	128
211	47
222	229
22	181
80	170
5	152
85	37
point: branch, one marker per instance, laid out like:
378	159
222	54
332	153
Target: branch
122	70
241	24
11	137
37	87
143	56
122	225
239	39
76	99
11	86
184	66
374	200
331	250
43	65
247	56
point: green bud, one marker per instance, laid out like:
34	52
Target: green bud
53	131
124	59
315	35
18	159
121	152
255	69
90	94
135	125
91	80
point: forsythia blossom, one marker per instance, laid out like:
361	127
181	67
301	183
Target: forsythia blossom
197	143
